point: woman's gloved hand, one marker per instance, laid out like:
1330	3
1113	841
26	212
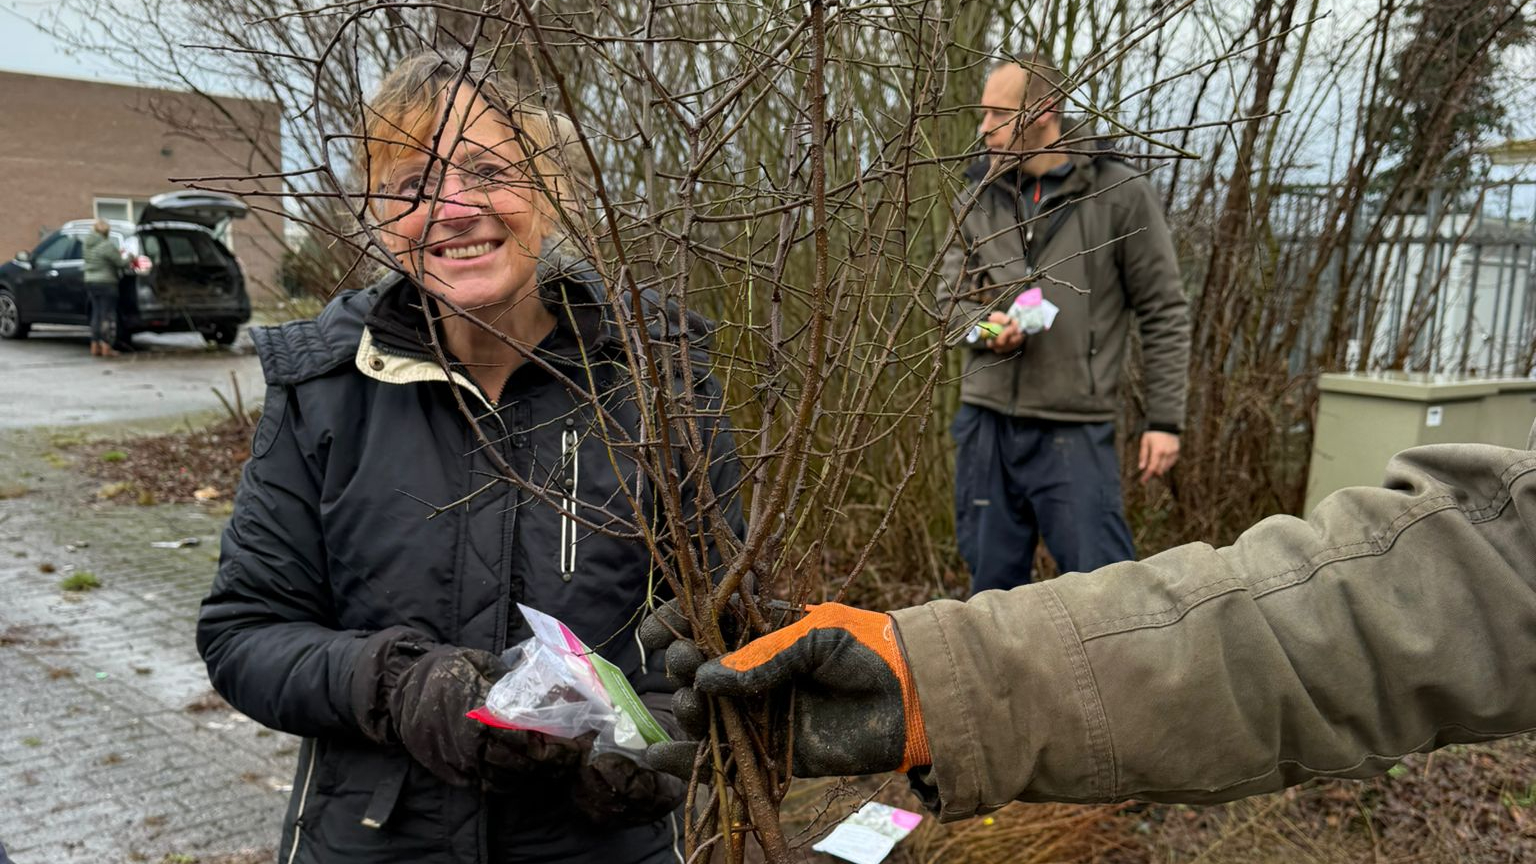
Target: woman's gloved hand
856	709
612	791
409	691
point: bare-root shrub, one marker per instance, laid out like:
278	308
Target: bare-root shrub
789	170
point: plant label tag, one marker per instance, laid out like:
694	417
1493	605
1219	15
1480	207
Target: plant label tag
869	835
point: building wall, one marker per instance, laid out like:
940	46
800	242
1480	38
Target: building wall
66	142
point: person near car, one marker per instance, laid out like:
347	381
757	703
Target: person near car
104	269
1391	620
183	278
1035	433
397	507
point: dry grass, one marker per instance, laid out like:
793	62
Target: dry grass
1019	833
1464	804
1460	804
1025	833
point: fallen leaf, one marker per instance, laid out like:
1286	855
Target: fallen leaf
112	490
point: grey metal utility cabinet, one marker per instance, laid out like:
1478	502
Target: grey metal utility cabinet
1363	419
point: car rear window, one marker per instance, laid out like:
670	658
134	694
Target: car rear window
182	249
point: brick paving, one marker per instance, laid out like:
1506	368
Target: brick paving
110	749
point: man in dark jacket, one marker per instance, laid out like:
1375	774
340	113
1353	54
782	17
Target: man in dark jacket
1035	433
371	571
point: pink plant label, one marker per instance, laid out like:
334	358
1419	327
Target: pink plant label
906	820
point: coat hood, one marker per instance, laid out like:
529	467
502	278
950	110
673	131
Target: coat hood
390	311
1084	172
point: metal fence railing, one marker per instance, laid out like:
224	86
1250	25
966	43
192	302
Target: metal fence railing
1450	289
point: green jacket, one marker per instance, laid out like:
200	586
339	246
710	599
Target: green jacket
1111	259
1393	620
103	259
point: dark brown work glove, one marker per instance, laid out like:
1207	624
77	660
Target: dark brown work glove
855	709
409	691
612	791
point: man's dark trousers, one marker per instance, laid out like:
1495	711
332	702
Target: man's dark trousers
1018	478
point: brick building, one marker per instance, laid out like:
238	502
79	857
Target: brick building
73	149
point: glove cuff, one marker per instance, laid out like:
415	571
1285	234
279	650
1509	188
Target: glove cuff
916	753
613	792
384	658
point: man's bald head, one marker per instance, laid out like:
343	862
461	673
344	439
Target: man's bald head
1021	105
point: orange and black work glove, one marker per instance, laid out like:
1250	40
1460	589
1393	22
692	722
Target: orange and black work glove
855	708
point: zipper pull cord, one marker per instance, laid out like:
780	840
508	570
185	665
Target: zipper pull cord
569	445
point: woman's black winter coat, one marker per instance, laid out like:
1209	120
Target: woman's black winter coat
369	501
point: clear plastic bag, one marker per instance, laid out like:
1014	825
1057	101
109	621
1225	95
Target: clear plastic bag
557	686
543	693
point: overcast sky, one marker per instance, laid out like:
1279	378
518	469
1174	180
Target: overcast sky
27	49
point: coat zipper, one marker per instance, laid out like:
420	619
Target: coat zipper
298	819
1029	261
507	444
569	446
1093	388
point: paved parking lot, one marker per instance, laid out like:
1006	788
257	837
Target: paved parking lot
112	748
51	379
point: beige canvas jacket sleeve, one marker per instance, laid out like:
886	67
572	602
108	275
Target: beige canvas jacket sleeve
1393	620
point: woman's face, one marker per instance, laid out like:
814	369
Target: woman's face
474	234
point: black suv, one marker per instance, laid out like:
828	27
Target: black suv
183	278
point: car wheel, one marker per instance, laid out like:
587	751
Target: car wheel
224	334
11	324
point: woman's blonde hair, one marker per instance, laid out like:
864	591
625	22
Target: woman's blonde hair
406	116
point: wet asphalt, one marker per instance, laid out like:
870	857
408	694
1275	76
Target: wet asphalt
51	379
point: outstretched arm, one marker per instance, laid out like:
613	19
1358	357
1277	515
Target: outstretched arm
1393	620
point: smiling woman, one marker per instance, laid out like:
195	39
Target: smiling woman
384	535
463	188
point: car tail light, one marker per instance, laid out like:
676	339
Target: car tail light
142	265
